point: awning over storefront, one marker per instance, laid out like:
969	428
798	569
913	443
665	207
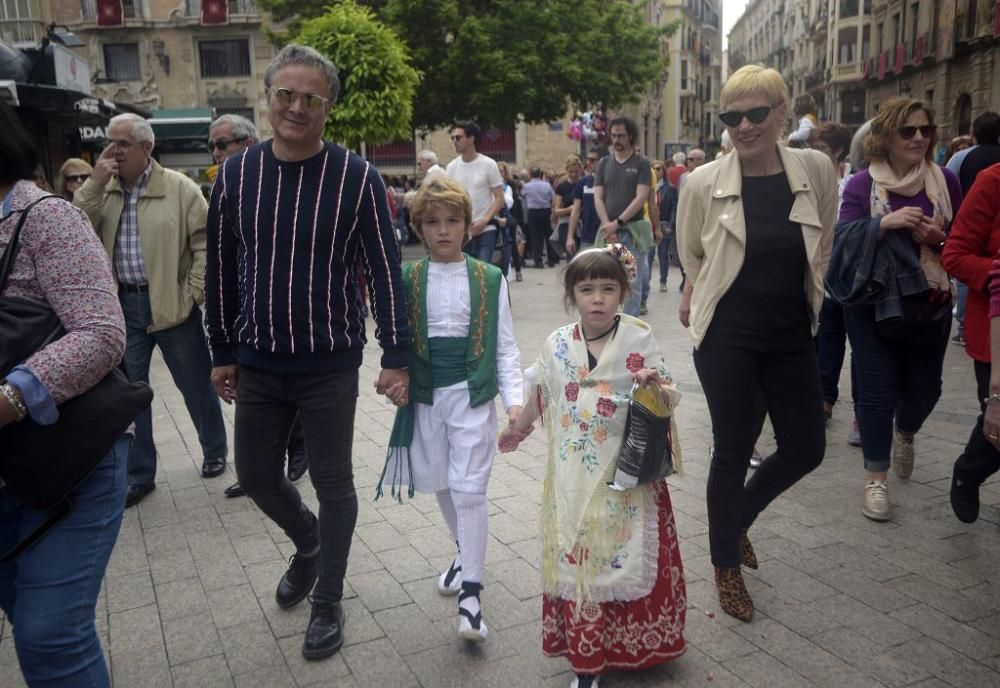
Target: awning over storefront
182	124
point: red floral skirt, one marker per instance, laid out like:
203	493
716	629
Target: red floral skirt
624	635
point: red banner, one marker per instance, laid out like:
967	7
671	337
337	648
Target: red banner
900	56
110	13
918	51
214	12
996	18
866	68
883	59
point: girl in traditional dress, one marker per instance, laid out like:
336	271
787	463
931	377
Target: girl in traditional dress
462	354
614	595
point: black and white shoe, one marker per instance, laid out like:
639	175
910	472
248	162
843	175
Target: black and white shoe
470	615
584	681
450	582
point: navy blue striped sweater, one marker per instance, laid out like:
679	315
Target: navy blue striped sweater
286	241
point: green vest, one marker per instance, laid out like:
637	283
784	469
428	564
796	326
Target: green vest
481	352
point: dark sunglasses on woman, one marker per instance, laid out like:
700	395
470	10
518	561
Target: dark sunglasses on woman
926	131
77	178
732	118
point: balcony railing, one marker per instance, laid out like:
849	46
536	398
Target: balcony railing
237	8
88	9
846	72
21	33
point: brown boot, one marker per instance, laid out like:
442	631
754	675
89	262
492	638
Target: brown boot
747	556
733	595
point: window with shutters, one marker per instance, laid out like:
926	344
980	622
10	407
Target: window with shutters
121	62
224	58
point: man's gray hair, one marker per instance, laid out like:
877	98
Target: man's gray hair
139	128
305	56
679	158
428	155
241	126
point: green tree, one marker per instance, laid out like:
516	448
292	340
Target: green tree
500	60
378	80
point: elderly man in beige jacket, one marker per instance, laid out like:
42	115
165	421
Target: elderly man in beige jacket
152	223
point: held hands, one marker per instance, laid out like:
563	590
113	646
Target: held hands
647	375
904	218
928	232
224	379
477	227
511	436
395	384
610	231
106	167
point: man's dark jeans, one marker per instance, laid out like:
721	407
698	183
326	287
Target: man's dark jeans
896	382
266	406
733	374
831	347
980	459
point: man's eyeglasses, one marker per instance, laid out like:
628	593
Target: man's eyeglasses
311	101
77	178
756	115
123	145
926	131
222	144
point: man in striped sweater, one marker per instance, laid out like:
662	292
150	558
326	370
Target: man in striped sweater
290	221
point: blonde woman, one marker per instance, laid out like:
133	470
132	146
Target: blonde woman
73	173
754	231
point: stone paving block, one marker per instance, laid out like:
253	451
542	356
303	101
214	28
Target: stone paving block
380	536
126	559
950	666
254	549
937	571
8	661
403	517
431	541
378	590
761	670
376	663
432	604
871	658
157	509
234	605
457	664
285	622
957	636
864	562
694	668
405	564
409	630
791	582
250	648
362	560
200	519
190	638
276	676
164	539
526	640
210	672
517	576
531	552
880	596
180	598
953	604
136	640
129	591
264	577
173	565
503	610
191	498
242	523
805	618
330	671
877	626
717	641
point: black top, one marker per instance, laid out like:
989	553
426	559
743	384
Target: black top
565	192
977	160
767	300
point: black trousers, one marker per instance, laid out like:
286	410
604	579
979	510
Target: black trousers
731	371
539	229
266	407
980	459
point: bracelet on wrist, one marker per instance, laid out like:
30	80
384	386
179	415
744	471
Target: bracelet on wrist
994	396
14	399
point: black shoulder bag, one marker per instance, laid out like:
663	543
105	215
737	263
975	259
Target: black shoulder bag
42	464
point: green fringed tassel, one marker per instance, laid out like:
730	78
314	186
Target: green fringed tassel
399	451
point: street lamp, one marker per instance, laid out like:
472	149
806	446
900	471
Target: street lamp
57	33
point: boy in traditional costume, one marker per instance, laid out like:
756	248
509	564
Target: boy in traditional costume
614	595
462	354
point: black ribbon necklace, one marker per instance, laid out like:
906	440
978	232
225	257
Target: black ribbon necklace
605	333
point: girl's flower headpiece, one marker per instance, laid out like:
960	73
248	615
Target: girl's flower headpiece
624	256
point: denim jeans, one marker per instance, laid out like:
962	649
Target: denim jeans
663	250
49	592
735	375
649	258
980	459
896	382
266	406
185	351
634	298
831	347
960	301
482	246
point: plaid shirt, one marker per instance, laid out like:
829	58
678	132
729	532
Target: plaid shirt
129	266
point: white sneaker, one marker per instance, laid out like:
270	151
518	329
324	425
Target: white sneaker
471	626
876	503
575	683
450	582
902	453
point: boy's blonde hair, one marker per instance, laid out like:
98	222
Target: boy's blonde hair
440	191
754	80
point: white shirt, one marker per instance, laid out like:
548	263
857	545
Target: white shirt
431	171
479	178
449	308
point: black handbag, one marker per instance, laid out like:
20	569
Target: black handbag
926	320
647	441
42	464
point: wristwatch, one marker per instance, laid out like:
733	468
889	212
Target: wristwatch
621	222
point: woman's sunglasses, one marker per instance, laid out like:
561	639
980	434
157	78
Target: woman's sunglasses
732	118
77	177
926	131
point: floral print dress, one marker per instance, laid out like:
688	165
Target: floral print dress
614	595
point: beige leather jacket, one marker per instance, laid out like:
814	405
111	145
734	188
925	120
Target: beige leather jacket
711	228
172	215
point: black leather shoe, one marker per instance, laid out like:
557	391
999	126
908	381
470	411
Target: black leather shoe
234	490
298	580
964	500
298	463
325	633
210	468
136	493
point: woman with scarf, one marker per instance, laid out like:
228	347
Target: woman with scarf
886	270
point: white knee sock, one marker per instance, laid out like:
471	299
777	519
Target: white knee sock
448	511
472	514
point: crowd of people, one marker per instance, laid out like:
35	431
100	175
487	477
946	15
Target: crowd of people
786	249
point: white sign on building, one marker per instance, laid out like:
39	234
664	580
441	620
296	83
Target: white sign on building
72	72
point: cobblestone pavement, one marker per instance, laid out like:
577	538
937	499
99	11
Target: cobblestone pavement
841	601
